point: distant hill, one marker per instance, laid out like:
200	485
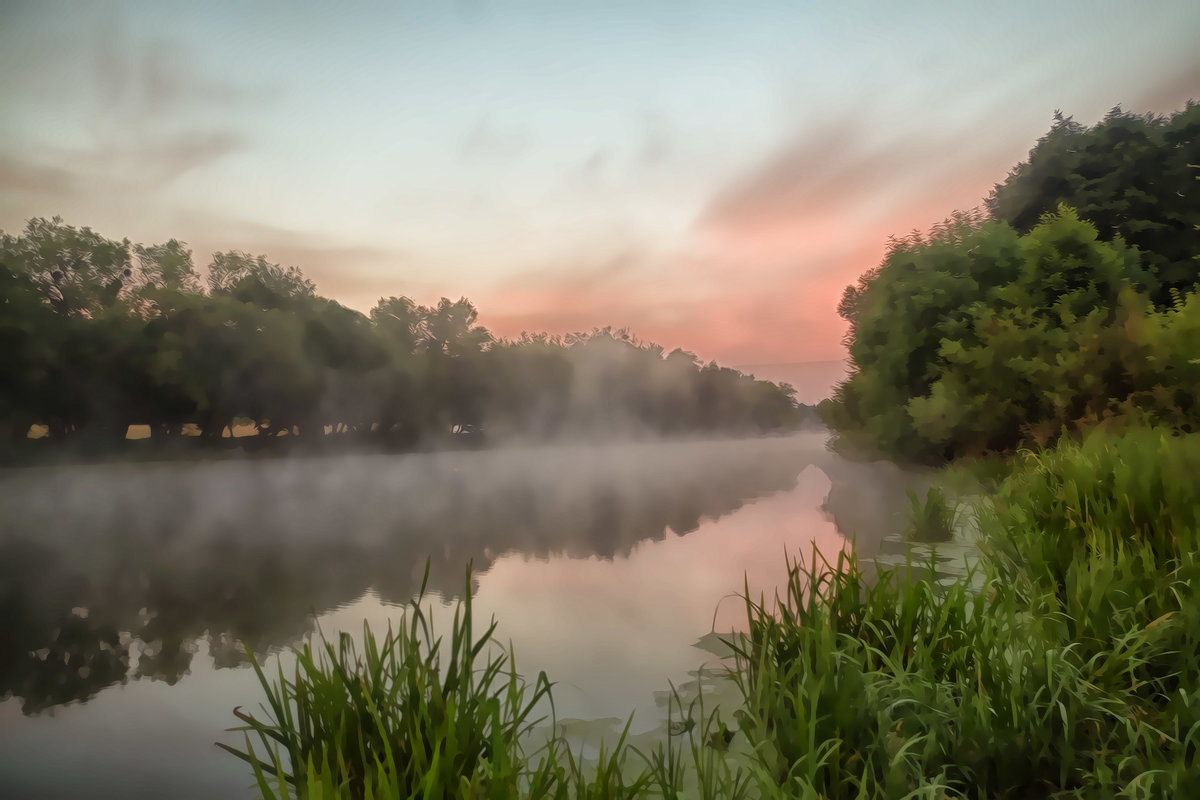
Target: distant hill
813	380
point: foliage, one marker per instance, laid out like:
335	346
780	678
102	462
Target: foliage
975	475
978	338
1130	176
933	519
416	716
404	718
1070	671
1105	496
102	335
1069	307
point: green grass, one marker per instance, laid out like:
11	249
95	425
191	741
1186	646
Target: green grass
973	475
408	713
1068	667
1073	671
414	715
930	520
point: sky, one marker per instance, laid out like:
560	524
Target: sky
710	175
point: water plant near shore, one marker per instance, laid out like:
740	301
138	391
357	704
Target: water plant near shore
1070	670
932	519
413	714
407	715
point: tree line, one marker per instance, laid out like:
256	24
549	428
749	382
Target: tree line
1069	301
100	334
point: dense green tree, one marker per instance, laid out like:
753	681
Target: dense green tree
398	323
401	322
77	271
1062	311
30	333
259	280
452	346
899	315
1131	176
168	266
1158	351
978	338
346	353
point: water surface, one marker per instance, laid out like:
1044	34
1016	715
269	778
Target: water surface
129	591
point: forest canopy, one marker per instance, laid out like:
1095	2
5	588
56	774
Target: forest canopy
100	334
1071	302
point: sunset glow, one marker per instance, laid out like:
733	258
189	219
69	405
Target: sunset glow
709	175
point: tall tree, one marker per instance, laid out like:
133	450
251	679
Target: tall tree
1130	176
78	271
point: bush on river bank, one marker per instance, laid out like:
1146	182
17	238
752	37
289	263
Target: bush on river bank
1071	303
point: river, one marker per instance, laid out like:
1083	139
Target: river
128	591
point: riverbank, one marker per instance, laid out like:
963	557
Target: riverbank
244	444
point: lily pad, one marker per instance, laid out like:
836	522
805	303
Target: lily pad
718	643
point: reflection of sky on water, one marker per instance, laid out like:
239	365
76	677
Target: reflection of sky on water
142	740
609	611
610	633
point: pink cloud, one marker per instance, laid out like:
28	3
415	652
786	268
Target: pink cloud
766	264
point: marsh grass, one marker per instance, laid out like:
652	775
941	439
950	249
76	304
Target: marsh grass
977	474
405	715
933	519
414	715
698	762
1066	666
1072	670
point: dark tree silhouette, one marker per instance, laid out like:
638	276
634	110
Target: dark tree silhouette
102	335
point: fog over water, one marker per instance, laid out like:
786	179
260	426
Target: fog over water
127	590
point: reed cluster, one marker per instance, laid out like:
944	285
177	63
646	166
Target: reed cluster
1071	669
416	715
932	519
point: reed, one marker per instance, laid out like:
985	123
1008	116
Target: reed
406	715
932	519
1071	671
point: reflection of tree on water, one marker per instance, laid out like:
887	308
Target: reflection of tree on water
102	570
77	657
51	651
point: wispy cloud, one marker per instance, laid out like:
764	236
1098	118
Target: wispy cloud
151	114
156	114
355	274
19	176
767	258
152	162
715	191
152	81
